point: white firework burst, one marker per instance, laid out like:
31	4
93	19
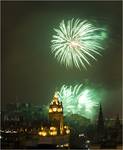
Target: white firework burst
77	41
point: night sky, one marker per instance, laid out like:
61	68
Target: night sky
29	71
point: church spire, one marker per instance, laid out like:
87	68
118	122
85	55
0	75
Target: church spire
100	124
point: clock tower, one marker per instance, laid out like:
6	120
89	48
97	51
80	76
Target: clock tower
56	114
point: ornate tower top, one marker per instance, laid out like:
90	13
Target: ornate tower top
55	105
55	98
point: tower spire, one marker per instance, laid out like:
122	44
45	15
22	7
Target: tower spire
100	123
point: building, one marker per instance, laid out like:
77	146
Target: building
56	114
57	133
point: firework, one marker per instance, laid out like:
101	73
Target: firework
76	42
80	99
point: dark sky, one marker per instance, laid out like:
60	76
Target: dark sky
29	70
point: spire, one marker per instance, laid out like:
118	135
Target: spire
55	98
100	113
56	94
100	124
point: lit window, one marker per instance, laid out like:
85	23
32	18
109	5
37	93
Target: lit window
81	135
67	131
53	133
54	109
87	141
50	110
42	128
66	145
52	128
42	133
39	133
62	145
59	109
65	127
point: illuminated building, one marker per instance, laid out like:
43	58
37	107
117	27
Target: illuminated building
57	133
56	114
